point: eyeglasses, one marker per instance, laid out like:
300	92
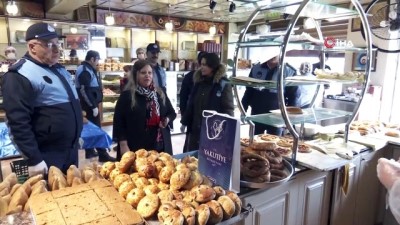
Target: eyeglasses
48	44
10	51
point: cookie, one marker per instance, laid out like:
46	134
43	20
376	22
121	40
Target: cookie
166	173
228	206
125	188
219	191
216	212
195	179
173	217
134	196
179	178
203	193
148	205
189	215
121	178
238	203
165	196
151	189
202	214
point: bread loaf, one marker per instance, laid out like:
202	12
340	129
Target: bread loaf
294	110
72	172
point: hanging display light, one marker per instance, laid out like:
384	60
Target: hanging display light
110	20
212	30
12	8
73	30
169	26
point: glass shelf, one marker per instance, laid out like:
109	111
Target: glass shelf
317	9
256	83
297	46
310	115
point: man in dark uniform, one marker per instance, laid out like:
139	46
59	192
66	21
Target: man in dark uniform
265	100
91	95
42	107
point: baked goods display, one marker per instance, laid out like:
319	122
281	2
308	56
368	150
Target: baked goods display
294	110
96	202
392	133
365	127
348	76
262	161
172	191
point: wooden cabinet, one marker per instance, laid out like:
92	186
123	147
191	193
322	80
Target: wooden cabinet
302	200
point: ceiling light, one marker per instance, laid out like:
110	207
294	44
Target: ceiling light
213	3
110	20
212	30
54	24
11	8
169	26
232	7
73	30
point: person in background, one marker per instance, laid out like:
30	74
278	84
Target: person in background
318	66
91	95
211	91
186	88
142	114
140	55
11	55
388	172
124	80
304	94
265	100
159	75
42	106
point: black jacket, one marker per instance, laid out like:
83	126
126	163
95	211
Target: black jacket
41	120
91	95
186	88
213	93
130	124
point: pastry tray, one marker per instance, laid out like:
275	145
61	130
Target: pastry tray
289	169
234	220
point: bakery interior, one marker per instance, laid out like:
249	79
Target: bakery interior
327	168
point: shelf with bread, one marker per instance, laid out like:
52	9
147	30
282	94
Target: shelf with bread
110	81
278	45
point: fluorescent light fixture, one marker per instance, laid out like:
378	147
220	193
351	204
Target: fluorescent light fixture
308	23
11	8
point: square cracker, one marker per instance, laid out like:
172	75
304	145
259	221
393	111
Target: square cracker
109	195
110	220
100	183
82	207
43	202
53	217
125	213
70	190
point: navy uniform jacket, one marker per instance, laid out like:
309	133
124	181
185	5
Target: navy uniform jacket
91	95
44	115
262	101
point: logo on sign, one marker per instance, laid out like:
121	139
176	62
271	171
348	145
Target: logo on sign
331	42
215	129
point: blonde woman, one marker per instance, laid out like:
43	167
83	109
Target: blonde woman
142	114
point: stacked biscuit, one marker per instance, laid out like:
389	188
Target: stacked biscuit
15	197
261	161
172	191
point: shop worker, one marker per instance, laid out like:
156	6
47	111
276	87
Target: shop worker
11	55
264	100
91	96
140	55
303	94
42	107
160	77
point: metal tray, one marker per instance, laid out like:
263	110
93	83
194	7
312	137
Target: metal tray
289	169
243	214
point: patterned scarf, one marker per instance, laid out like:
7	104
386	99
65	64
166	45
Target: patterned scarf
152	105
